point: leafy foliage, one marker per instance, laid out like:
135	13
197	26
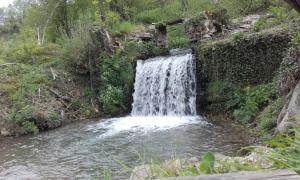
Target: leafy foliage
255	99
116	77
268	117
177	37
287	150
111	99
207	163
178	167
223	96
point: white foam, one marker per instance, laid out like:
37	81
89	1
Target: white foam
143	124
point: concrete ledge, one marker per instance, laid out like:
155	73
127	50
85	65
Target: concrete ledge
273	175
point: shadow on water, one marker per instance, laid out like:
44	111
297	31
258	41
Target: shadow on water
83	150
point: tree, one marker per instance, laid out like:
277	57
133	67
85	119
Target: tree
39	16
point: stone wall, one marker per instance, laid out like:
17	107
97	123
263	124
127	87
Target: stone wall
244	58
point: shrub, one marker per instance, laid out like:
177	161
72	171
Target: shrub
116	77
116	70
28	127
111	99
75	104
142	50
177	37
74	50
123	27
255	99
222	96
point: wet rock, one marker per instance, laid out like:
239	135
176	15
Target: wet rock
140	35
175	52
141	173
255	159
207	25
6	132
161	35
193	160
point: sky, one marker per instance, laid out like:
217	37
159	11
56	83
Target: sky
5	3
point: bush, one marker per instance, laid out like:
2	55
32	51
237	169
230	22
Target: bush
222	96
123	27
142	50
116	77
177	37
255	99
111	99
28	128
74	50
160	13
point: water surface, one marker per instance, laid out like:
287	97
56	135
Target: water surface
83	150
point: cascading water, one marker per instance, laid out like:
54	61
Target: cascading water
165	86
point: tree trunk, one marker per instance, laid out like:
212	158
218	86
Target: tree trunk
294	4
41	29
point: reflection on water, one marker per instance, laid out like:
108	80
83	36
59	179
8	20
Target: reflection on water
82	151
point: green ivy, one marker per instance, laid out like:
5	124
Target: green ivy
255	99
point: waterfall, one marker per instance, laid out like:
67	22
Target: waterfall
165	86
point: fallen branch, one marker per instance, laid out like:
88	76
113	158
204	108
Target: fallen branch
9	64
57	95
53	74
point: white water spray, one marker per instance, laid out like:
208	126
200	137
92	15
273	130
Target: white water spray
165	86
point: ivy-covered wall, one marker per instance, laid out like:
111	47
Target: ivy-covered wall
244	58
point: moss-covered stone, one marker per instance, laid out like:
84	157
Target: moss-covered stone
243	58
268	118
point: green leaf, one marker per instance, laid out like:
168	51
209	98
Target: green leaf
208	162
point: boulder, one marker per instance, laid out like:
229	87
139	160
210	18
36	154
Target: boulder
141	173
290	114
6	132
